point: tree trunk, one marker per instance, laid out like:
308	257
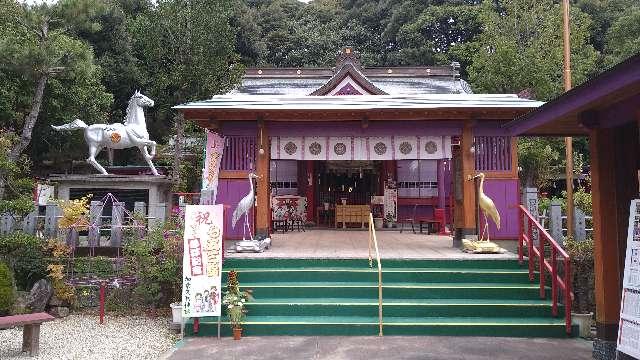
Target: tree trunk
30	121
179	118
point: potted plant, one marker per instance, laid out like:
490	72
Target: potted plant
389	220
377	218
234	299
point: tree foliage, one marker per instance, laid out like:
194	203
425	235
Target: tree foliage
521	48
97	52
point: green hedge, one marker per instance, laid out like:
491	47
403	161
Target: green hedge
25	255
7	294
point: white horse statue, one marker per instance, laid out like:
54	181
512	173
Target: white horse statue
118	136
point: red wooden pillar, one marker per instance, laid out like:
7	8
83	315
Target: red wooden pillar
310	190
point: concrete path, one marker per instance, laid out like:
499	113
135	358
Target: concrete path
388	347
335	244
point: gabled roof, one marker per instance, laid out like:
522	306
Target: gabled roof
419	80
348	71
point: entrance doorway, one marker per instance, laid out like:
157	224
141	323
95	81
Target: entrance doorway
351	182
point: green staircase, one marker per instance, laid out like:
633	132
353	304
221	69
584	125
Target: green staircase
420	297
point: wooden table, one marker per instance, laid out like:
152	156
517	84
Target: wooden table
352	214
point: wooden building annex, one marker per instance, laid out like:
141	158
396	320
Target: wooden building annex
607	110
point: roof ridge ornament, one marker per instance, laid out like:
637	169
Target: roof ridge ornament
348	56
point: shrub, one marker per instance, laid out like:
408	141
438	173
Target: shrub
581	253
25	255
7	294
156	262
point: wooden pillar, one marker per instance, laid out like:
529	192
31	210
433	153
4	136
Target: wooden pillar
263	212
468	220
605	223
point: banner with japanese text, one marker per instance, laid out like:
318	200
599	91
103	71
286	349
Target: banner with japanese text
202	261
213	157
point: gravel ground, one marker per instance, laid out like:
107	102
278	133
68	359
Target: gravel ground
81	337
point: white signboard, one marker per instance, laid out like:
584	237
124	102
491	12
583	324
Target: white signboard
202	261
44	193
629	328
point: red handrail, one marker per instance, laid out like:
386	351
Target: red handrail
546	265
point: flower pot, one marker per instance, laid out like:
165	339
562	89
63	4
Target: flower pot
584	322
377	222
389	225
176	312
237	333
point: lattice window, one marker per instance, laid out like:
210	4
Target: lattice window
493	153
239	153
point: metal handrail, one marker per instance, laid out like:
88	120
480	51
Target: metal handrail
372	236
563	282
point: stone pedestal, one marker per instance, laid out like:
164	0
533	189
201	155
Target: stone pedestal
159	188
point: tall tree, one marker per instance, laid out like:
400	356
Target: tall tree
521	48
186	50
623	37
39	58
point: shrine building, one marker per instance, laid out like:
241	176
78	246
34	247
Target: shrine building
397	141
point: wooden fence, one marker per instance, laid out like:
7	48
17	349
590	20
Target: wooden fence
103	229
553	219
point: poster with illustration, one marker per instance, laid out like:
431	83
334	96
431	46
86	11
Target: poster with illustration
629	327
202	261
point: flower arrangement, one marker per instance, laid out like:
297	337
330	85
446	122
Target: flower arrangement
235	299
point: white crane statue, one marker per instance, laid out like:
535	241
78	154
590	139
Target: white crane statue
132	133
488	208
243	208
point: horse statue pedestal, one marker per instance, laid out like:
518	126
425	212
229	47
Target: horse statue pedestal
153	190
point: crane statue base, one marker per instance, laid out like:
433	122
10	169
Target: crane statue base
481	247
255	246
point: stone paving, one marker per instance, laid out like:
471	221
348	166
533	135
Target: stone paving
354	244
389	347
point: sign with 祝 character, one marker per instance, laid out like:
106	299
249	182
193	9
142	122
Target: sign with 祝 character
202	261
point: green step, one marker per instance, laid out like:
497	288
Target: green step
420	297
398	290
468	275
401	307
283	263
368	325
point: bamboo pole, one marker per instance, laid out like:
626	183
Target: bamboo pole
568	141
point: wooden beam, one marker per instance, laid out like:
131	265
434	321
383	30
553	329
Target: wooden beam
263	203
605	233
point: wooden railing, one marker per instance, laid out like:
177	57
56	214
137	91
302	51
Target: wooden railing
373	239
538	252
